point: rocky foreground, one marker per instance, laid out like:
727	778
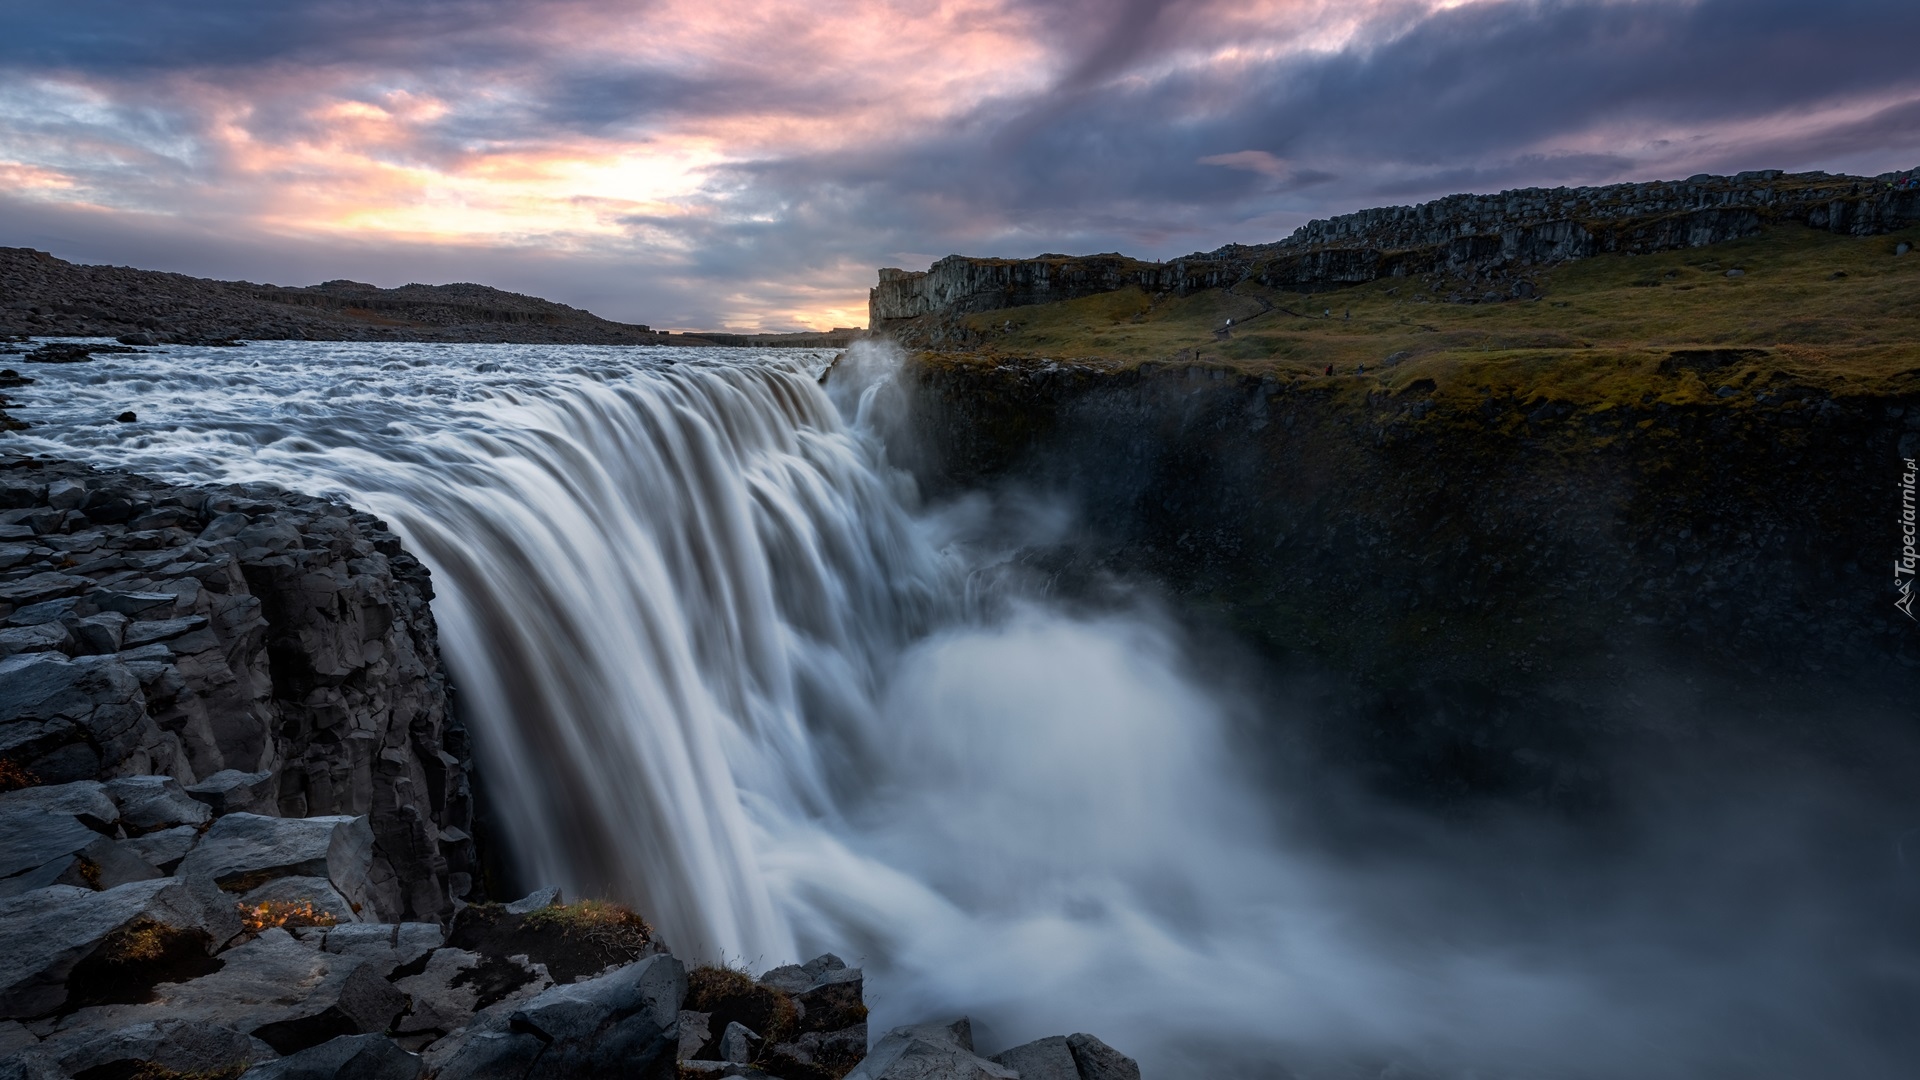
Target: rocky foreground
236	834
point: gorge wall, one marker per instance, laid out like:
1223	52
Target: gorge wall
268	653
1483	236
1490	591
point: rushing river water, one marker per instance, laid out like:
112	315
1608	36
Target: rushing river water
721	664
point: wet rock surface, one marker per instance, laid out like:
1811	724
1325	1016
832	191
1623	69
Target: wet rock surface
1657	578
235	824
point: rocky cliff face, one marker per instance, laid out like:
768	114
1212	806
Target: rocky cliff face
1492	592
268	653
1485	236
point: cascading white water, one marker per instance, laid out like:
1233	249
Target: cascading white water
722	666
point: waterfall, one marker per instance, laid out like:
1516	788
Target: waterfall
722	665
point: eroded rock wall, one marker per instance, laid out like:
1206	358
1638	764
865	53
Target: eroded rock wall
272	653
1478	233
1489	589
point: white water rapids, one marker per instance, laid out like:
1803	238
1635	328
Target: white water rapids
722	665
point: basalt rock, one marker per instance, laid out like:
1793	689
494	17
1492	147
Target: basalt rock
1699	577
1476	234
238	651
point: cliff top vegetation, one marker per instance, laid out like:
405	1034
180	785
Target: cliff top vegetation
1675	327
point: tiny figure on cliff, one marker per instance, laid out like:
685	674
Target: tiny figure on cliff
1329	369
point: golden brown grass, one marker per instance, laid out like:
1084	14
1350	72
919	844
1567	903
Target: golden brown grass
276	913
1842	312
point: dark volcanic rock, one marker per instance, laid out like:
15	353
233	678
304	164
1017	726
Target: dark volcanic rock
283	662
624	1023
1482	233
1694	577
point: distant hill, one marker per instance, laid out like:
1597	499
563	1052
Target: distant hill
46	296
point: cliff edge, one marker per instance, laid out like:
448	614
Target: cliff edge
1488	238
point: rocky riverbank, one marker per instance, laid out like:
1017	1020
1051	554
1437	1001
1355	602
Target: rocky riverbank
236	834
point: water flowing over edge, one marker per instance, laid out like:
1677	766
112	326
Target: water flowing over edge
722	666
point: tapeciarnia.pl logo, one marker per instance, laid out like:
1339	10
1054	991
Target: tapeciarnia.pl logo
1903	566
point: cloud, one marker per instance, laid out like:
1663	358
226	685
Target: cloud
1253	161
749	164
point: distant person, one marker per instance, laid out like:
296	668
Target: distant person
1329	369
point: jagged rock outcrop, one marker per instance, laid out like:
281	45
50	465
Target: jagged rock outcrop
241	652
1479	235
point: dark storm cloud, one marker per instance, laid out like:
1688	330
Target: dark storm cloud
1467	98
1151	126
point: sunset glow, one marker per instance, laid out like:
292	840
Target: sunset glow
749	165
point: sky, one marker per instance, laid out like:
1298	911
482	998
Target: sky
709	164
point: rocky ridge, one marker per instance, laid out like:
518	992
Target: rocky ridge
45	296
1488	240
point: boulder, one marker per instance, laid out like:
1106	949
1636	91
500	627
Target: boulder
47	585
444	996
231	791
287	994
150	631
45	933
66	494
798	978
149	803
1041	1059
624	1023
182	1046
694	1032
1098	1061
84	799
30	1064
49	704
929	1052
317	891
14	1036
31	838
537	900
817	1055
100	634
348	1057
384	945
40	637
166	848
112	863
241	852
739	1043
